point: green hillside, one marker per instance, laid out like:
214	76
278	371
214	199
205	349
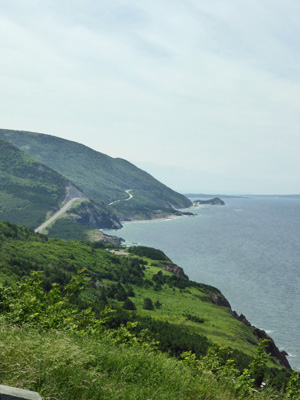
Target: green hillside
28	189
30	192
122	327
102	178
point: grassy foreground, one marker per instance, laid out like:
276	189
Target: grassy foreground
68	366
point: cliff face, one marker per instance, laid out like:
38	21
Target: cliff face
272	349
174	269
216	297
90	214
220	300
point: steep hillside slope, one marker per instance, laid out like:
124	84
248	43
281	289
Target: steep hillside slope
28	189
30	192
101	177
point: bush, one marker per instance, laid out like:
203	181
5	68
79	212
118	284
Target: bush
193	318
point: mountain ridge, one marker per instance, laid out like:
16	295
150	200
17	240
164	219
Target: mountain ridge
101	177
31	192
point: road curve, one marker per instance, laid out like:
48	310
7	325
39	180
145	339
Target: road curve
59	213
129	194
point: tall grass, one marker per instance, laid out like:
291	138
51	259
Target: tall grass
65	366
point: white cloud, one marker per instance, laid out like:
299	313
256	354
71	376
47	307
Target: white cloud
210	86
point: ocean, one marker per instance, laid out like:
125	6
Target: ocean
249	249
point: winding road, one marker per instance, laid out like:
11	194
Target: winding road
59	213
129	194
68	205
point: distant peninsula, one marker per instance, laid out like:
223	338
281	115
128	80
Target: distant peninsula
216	201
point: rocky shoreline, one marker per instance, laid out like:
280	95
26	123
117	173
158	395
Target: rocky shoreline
272	349
220	300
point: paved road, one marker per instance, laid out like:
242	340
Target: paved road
59	213
129	194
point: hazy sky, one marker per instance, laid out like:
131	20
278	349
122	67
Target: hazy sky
209	90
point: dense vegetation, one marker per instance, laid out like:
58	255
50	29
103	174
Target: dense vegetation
28	189
66	332
30	192
67	229
149	252
102	178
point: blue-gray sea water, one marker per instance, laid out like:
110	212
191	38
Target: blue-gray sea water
249	249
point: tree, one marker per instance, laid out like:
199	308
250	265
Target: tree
130	292
157	304
121	294
129	305
148	305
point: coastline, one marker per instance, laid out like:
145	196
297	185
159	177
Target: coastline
272	349
281	355
180	213
159	219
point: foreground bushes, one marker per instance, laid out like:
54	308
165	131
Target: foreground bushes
49	346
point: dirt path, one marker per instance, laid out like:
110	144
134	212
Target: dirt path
129	194
59	213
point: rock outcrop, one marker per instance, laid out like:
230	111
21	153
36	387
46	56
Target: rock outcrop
241	318
72	191
219	299
90	214
272	349
174	269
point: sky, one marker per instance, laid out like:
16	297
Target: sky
203	94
